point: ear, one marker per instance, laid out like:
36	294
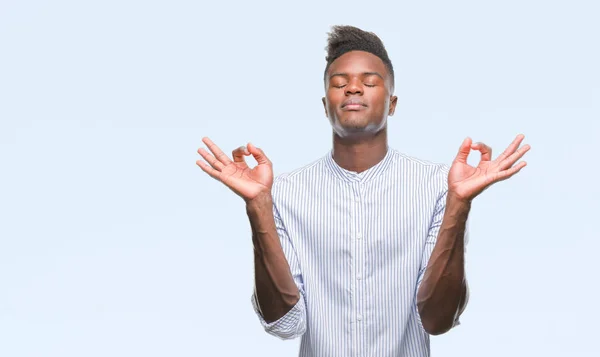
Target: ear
325	106
393	102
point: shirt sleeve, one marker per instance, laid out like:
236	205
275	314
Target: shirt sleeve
293	323
432	235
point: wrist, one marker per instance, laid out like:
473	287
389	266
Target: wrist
262	201
454	200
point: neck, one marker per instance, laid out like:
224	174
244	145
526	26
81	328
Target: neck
359	154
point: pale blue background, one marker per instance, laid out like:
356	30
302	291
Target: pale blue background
114	243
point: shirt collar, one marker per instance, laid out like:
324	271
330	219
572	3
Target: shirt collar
362	177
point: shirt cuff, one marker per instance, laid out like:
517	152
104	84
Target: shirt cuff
290	325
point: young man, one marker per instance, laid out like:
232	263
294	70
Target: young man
361	252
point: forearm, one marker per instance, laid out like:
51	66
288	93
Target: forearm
276	290
443	292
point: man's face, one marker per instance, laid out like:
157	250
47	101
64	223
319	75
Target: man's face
358	94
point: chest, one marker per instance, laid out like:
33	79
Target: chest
378	224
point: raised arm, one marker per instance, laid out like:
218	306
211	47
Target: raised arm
275	288
443	292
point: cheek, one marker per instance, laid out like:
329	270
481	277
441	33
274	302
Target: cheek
382	100
333	101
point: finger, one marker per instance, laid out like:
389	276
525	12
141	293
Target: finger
463	151
486	151
258	154
503	175
209	170
511	148
509	161
239	153
216	164
219	154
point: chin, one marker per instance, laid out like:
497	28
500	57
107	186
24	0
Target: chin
355	128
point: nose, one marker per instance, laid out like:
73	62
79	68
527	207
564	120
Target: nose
354	87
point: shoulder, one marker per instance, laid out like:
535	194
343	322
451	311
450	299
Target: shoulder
422	171
298	179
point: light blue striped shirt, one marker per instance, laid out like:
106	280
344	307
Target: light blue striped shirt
358	245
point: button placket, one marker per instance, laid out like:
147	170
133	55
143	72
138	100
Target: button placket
358	268
355	288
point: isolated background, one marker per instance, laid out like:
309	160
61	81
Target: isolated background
114	243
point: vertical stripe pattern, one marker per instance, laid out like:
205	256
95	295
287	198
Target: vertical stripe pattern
357	245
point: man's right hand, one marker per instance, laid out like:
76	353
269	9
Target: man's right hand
276	289
246	182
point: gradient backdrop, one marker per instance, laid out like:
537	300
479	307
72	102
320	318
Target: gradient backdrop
114	243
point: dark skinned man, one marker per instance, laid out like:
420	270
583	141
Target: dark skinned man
362	252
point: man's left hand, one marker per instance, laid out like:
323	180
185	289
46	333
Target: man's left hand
465	182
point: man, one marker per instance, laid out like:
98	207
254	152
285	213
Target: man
361	252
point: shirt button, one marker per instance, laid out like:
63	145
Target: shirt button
358	235
359	277
359	317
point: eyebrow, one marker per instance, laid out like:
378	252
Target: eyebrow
337	74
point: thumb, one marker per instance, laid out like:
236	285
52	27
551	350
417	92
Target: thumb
258	155
464	150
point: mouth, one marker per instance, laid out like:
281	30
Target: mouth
353	104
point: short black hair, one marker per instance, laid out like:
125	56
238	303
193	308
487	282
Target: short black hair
344	38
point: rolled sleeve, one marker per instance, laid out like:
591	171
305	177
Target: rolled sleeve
432	235
289	326
293	323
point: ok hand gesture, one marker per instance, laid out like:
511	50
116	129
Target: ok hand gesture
246	182
466	182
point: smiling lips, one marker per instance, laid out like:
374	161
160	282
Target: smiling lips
353	104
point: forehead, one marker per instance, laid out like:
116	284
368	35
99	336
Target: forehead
356	62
